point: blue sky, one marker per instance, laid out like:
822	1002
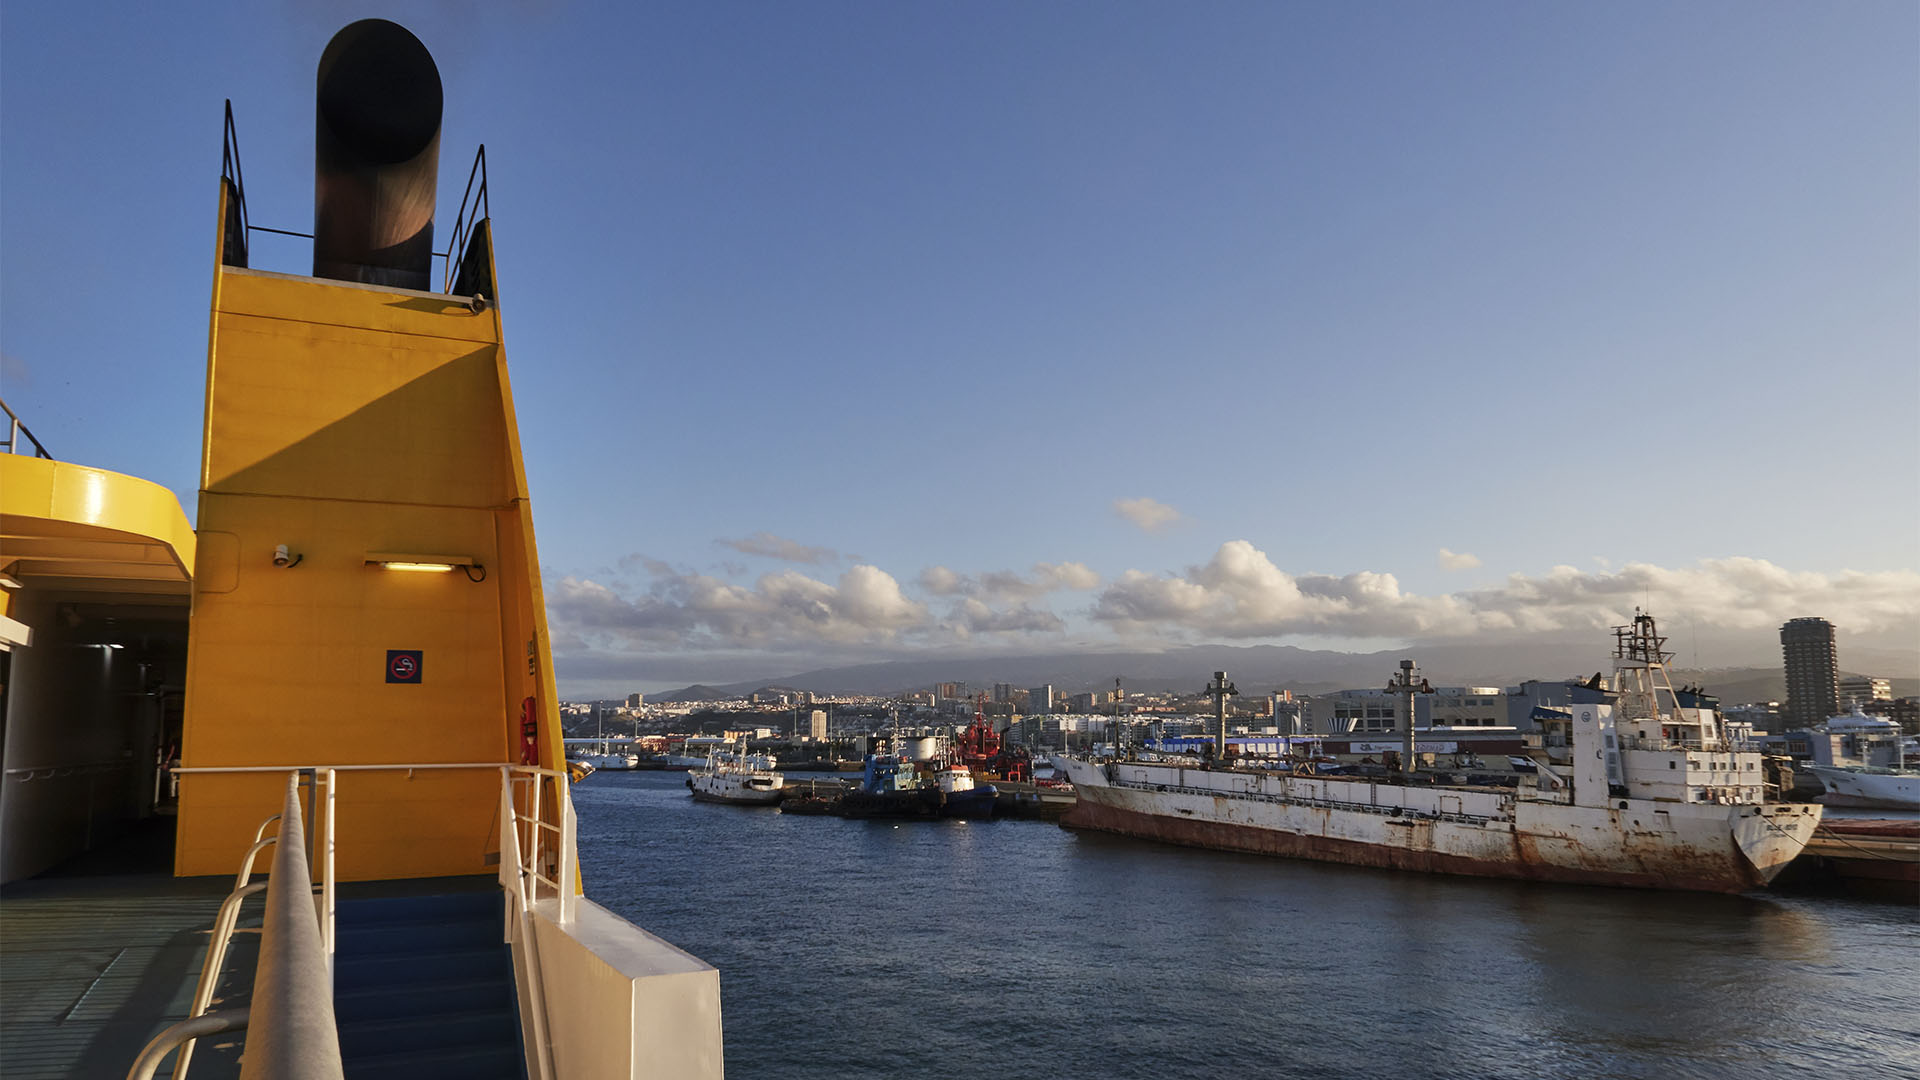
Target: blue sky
1425	322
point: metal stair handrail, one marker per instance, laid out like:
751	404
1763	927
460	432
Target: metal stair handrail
540	871
182	1034
225	925
293	986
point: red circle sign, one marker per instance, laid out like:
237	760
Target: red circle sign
403	666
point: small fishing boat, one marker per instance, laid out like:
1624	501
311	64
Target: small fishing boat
741	779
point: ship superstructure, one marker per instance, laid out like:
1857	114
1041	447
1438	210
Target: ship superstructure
368	696
1648	790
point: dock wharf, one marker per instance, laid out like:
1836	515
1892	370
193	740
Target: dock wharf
1872	857
1016	799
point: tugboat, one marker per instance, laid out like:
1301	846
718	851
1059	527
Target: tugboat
890	787
960	797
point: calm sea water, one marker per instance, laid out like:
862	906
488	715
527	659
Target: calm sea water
969	951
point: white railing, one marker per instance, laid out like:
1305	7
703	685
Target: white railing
538	870
293	982
537	867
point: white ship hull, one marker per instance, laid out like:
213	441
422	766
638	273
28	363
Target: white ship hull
1886	789
1643	843
738	788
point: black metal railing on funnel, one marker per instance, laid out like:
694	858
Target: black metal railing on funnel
235	253
467	275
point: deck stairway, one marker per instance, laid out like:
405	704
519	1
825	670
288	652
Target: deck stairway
423	988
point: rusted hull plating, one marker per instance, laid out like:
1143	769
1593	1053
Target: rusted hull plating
1707	848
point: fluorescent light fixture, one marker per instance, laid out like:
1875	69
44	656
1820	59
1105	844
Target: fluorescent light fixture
427	564
8	581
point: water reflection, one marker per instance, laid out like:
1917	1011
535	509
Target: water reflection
875	949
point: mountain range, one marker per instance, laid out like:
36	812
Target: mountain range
1257	669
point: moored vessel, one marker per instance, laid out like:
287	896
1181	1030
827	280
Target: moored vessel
1645	790
1861	761
741	779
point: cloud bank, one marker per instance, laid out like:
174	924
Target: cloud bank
1238	595
769	546
1241	594
1149	514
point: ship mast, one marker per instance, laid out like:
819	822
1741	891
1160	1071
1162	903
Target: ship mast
1220	690
1408	683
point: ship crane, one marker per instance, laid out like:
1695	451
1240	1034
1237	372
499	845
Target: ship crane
1404	683
1220	690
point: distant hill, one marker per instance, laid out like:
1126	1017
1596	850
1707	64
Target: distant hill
1257	669
691	695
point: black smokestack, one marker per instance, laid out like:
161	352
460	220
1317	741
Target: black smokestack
376	157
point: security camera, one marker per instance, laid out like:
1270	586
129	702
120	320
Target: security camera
282	558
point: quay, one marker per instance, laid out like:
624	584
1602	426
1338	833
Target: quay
1875	858
1018	800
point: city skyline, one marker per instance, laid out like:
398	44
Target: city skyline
846	335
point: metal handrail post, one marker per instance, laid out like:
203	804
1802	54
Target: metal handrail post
520	900
182	1034
224	927
299	1039
328	897
569	854
246	863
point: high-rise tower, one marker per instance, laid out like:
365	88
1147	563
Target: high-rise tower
1813	671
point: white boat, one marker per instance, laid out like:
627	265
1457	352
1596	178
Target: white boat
1861	761
741	779
1866	786
1642	791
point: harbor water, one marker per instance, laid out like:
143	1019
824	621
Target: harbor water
870	949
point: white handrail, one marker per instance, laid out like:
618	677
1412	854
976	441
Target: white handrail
513	878
292	987
525	865
182	1035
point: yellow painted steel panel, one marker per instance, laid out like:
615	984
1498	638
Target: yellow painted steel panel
318	301
86	514
343	420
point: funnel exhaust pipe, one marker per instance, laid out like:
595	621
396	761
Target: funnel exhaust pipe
376	157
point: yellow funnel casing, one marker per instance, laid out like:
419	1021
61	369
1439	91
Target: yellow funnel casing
347	421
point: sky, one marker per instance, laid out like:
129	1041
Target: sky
849	330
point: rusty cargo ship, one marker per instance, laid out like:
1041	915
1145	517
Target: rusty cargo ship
1643	790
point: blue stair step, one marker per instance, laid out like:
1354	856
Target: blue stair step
423	988
421	909
383	938
412	997
356	971
434	1031
494	1061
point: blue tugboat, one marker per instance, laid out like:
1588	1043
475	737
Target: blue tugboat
890	787
893	786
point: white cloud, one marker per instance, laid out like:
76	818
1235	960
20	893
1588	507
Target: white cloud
1457	560
1241	594
1149	514
769	546
1007	586
865	610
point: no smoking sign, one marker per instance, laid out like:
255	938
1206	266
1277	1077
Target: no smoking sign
403	665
